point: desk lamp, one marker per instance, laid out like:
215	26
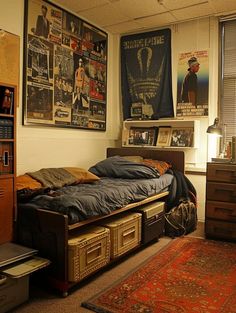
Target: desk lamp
217	130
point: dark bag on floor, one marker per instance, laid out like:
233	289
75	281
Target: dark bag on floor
182	219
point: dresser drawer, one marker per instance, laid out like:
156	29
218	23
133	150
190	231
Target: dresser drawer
221	211
221	172
221	192
220	229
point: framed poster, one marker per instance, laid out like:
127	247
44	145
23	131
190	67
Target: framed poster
163	139
65	69
193	83
142	136
146	76
181	137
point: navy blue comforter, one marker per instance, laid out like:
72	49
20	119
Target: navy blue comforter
82	201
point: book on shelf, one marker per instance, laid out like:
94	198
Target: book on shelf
6	128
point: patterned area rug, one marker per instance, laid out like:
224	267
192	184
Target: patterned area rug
190	275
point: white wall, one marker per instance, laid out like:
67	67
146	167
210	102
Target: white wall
196	35
48	146
199	35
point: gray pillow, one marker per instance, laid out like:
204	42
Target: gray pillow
119	167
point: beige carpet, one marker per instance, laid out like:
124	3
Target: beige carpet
44	302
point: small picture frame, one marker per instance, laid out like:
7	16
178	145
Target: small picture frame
181	137
142	136
163	139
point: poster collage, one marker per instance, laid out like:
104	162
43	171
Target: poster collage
65	69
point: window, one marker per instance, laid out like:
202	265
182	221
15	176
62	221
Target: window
228	77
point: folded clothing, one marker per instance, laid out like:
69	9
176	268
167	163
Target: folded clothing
54	178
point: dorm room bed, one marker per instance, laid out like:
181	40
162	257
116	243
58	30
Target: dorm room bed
49	231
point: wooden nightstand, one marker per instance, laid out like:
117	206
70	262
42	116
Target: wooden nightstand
220	213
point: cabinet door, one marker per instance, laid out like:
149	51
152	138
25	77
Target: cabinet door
6	209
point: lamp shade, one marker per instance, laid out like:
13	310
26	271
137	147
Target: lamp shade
215	129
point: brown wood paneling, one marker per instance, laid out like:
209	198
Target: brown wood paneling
6	210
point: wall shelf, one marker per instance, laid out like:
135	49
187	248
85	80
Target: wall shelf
172	123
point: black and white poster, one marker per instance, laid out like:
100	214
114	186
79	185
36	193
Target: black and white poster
146	75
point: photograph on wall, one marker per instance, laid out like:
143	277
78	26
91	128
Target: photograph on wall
146	79
164	135
181	137
65	69
193	83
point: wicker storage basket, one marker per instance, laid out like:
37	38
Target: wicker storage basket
125	233
88	252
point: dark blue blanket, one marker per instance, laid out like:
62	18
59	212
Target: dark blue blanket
83	201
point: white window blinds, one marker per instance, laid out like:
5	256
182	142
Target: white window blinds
228	87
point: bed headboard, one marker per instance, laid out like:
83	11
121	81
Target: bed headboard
176	158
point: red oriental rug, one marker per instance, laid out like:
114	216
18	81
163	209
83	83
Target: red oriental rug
190	275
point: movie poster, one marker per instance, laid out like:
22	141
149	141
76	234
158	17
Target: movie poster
193	84
146	75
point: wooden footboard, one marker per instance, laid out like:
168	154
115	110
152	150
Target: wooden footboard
47	232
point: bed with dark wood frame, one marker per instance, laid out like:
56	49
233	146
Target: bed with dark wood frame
49	231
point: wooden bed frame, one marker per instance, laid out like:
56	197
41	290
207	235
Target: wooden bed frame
48	232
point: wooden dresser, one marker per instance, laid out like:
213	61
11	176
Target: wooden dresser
220	219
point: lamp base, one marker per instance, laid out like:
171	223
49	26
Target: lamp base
221	160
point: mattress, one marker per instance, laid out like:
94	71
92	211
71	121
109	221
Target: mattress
83	201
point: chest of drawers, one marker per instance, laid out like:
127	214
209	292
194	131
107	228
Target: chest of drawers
220	213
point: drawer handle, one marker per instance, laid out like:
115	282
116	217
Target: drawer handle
5	158
224	209
227	211
220	230
233	192
127	234
97	248
227	170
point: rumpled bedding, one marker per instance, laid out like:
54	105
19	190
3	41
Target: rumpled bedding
53	177
83	201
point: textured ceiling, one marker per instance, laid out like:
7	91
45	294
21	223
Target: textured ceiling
124	16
